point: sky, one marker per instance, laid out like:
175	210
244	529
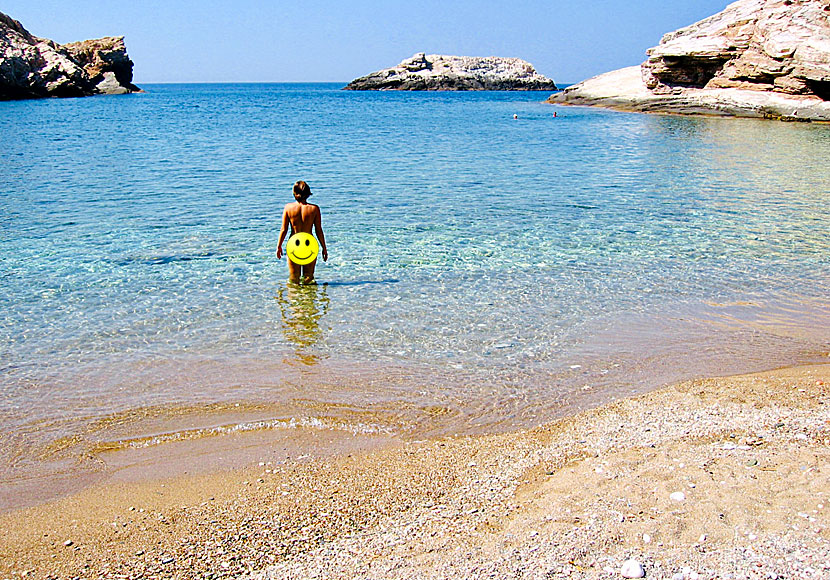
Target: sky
339	40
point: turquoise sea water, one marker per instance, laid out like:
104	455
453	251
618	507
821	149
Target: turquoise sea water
485	273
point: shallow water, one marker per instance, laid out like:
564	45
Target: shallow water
485	273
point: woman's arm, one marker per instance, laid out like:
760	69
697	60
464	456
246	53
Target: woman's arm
283	232
318	228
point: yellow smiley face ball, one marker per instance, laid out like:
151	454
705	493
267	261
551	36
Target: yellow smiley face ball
302	248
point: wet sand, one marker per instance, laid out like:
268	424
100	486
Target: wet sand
713	478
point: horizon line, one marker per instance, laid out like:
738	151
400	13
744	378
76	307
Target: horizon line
271	83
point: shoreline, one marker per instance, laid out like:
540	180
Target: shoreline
575	497
624	90
147	444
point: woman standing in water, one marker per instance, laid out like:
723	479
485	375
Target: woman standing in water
301	217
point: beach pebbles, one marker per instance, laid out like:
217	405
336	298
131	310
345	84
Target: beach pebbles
632	569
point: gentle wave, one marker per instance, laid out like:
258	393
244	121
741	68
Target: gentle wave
293	423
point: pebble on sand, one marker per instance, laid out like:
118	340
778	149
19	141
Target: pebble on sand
678	496
632	569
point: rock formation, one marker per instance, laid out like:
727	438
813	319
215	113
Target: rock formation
32	67
436	72
759	58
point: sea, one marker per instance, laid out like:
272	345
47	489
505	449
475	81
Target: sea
486	273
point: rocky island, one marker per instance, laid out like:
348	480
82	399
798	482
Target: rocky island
756	58
437	72
32	67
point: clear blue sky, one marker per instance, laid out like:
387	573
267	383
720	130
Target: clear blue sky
331	40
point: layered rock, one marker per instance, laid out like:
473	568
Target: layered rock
32	67
763	58
436	72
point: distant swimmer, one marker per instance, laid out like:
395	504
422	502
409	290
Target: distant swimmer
554	113
301	217
515	116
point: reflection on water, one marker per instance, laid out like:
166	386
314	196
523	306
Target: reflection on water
302	307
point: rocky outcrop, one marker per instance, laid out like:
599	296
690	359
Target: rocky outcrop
32	67
436	72
625	90
106	63
758	58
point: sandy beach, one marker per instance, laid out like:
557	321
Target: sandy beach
714	478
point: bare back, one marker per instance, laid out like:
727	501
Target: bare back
301	216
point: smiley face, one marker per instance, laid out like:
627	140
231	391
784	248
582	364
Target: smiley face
302	248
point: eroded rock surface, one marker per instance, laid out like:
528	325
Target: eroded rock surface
32	67
767	45
765	58
436	72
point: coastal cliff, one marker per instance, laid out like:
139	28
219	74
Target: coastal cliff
32	67
436	72
756	58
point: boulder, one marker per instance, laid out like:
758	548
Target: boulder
32	67
757	58
436	72
106	63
